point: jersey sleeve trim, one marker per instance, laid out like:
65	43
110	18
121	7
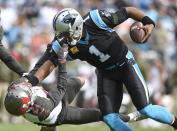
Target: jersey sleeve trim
56	46
95	16
86	39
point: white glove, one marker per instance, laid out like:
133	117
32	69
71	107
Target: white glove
62	53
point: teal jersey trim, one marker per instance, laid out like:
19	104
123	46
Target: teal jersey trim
98	21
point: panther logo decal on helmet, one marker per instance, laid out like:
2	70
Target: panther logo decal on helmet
68	23
69	19
25	106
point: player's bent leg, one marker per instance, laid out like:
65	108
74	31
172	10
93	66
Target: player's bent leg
160	114
82	80
157	113
138	90
73	87
115	123
76	115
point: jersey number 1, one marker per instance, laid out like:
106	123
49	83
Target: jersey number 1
103	57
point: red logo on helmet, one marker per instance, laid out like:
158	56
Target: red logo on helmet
25	105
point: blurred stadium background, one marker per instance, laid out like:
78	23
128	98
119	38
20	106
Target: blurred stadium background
28	29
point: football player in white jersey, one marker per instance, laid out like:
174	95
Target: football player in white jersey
49	109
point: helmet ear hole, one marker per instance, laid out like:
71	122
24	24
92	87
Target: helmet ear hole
76	27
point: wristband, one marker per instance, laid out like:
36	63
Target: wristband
33	80
62	60
146	20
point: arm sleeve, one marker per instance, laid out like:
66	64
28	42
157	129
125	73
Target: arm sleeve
57	94
10	61
114	19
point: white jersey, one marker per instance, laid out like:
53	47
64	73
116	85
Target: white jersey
38	91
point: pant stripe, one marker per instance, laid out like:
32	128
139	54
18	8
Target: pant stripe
138	72
136	68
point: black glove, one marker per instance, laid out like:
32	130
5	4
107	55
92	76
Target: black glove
33	80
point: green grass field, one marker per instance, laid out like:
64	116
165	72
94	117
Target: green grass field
30	127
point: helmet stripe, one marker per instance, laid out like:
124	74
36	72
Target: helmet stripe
95	16
56	17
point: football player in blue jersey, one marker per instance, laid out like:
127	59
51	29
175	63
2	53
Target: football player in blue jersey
93	39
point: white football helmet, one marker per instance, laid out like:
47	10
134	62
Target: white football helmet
68	23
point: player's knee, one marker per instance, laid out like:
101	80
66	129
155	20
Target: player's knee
78	80
82	80
115	123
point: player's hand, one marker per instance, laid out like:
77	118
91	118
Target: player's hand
60	39
62	53
148	31
1	32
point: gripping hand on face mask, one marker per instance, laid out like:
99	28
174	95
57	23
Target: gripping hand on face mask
62	53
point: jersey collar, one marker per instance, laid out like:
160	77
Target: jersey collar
86	39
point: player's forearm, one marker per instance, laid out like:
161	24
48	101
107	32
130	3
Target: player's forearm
10	61
44	70
62	74
135	13
57	94
139	15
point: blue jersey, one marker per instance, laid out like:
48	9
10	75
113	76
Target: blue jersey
102	47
